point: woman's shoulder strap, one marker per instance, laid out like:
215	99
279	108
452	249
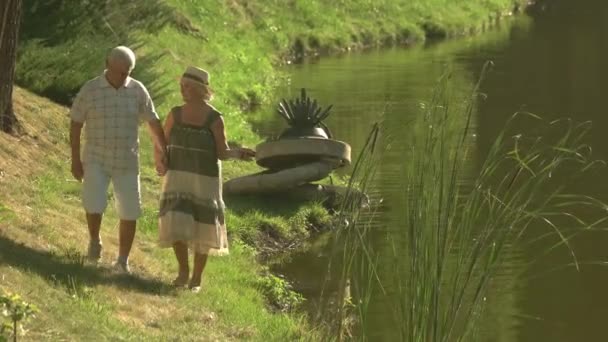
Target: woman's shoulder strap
177	114
213	116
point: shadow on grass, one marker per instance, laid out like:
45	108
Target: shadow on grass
70	271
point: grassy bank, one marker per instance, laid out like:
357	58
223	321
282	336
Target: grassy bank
42	230
241	43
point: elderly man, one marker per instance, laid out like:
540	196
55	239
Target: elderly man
110	107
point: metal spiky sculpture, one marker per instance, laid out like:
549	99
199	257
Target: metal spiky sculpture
304	116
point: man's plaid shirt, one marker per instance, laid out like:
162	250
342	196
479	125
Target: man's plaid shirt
111	118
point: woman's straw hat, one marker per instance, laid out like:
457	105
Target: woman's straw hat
197	75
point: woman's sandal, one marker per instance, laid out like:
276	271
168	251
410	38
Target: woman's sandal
180	282
194	288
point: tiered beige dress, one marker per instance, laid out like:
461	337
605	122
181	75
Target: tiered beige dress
191	205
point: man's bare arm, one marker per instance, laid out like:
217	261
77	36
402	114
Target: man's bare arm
75	133
158	135
160	145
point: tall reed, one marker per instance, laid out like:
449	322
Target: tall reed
437	265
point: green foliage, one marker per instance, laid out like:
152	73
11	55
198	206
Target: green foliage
16	312
280	293
314	218
271	231
148	222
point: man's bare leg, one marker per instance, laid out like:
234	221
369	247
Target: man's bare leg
126	237
94	224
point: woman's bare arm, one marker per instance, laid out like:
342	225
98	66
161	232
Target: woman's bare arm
168	126
224	152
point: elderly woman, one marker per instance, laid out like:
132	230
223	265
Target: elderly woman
192	209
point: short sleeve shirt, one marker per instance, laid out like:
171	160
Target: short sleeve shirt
111	119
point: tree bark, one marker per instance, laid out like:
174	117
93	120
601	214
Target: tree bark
10	20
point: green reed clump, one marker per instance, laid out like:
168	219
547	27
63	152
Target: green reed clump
352	256
443	256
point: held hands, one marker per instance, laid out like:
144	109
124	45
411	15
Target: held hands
161	162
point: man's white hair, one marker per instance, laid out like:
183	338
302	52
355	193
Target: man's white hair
123	54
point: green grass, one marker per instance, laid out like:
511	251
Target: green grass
270	232
56	278
439	266
5	214
47	269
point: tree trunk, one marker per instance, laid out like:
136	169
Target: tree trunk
10	20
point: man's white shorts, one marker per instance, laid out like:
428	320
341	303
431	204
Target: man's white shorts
126	191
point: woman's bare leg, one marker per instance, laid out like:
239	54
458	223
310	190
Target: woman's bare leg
200	261
181	254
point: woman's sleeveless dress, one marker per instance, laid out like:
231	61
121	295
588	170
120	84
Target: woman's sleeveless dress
191	205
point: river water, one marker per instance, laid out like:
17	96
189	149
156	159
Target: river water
551	62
